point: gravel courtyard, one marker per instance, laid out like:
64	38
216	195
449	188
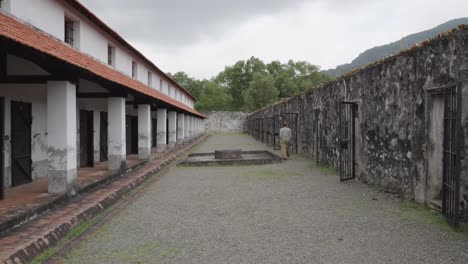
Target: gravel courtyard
293	212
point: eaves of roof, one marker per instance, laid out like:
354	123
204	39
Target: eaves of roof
35	39
103	26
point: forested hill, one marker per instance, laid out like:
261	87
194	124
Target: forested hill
380	52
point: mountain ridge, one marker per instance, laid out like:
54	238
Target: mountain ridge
383	51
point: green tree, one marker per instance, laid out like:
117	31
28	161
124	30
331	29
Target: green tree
251	84
213	98
262	92
191	84
236	79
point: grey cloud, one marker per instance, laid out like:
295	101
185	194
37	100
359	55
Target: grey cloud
181	22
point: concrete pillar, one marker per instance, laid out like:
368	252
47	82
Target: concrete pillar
195	127
187	128
61	129
144	132
199	126
192	135
97	136
117	150
180	129
161	130
172	129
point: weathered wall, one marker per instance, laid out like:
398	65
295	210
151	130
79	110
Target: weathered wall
395	110
225	121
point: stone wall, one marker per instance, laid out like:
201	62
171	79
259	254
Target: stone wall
223	121
399	121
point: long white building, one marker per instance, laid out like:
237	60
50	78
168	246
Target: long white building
73	93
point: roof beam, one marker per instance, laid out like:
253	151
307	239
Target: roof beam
30	79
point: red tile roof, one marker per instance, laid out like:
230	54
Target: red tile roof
28	36
98	22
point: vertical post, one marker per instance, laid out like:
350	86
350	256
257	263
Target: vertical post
180	128
192	127
2	147
116	134
187	128
61	127
144	132
172	115
161	130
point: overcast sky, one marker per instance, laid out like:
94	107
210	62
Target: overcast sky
200	37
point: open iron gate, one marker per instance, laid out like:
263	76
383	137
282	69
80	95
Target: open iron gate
451	159
347	142
21	124
276	127
2	145
270	131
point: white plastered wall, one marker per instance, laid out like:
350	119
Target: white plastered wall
48	16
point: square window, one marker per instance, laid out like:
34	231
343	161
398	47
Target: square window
134	69
69	31
150	79
111	55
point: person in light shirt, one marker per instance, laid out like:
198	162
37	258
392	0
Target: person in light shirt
285	136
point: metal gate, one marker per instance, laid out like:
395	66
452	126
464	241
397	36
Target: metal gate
103	138
21	122
131	126
154	132
451	159
256	129
347	142
316	136
264	129
276	127
86	139
2	146
270	131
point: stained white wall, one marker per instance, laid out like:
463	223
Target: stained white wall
6	5
49	15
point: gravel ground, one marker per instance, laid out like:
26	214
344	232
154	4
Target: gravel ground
292	212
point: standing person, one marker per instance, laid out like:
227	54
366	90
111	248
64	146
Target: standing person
285	136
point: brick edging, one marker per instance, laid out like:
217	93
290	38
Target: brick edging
26	253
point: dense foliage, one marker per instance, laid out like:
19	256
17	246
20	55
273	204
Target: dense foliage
251	84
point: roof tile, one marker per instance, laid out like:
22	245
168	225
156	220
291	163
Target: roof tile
40	41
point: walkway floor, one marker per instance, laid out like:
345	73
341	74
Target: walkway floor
31	196
291	212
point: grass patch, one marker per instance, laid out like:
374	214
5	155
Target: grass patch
268	172
72	234
324	169
229	134
412	211
147	253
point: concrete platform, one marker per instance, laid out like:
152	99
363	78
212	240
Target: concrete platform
247	158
